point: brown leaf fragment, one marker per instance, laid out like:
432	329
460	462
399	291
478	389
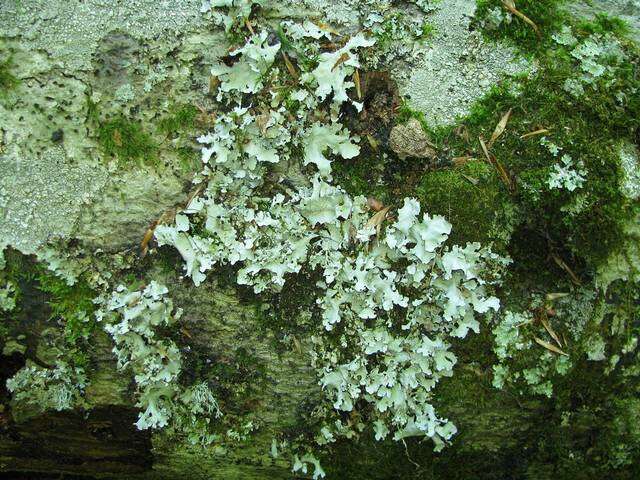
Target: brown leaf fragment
343	58
330	46
377	219
356	80
504	176
327	28
540	131
550	331
511	6
460	161
117	137
484	150
374	204
500	127
549	346
292	70
148	235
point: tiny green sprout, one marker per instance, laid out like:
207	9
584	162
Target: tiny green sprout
428	31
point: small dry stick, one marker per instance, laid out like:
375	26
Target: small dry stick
249	26
550	331
542	131
292	70
341	59
511	6
566	268
497	165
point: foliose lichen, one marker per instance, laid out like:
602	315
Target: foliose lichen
390	293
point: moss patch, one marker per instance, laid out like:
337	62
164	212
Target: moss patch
7	80
73	304
127	140
546	14
472	199
184	119
582	227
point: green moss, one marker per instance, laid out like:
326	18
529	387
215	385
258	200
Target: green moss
546	14
127	140
184	119
7	80
428	31
589	130
405	113
40	290
388	30
604	23
71	304
362	175
485	209
583	227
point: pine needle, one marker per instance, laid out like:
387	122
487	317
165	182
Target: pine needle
550	331
511	6
356	80
541	131
498	166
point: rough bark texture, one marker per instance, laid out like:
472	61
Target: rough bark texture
89	69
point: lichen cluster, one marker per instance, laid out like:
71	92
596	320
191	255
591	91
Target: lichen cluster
132	319
534	250
56	388
388	294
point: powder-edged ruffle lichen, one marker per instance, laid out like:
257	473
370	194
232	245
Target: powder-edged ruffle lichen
389	294
58	388
132	318
356	239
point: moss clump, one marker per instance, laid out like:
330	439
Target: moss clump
39	292
8	81
362	176
72	304
184	119
587	223
128	141
582	227
603	24
485	213
546	14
